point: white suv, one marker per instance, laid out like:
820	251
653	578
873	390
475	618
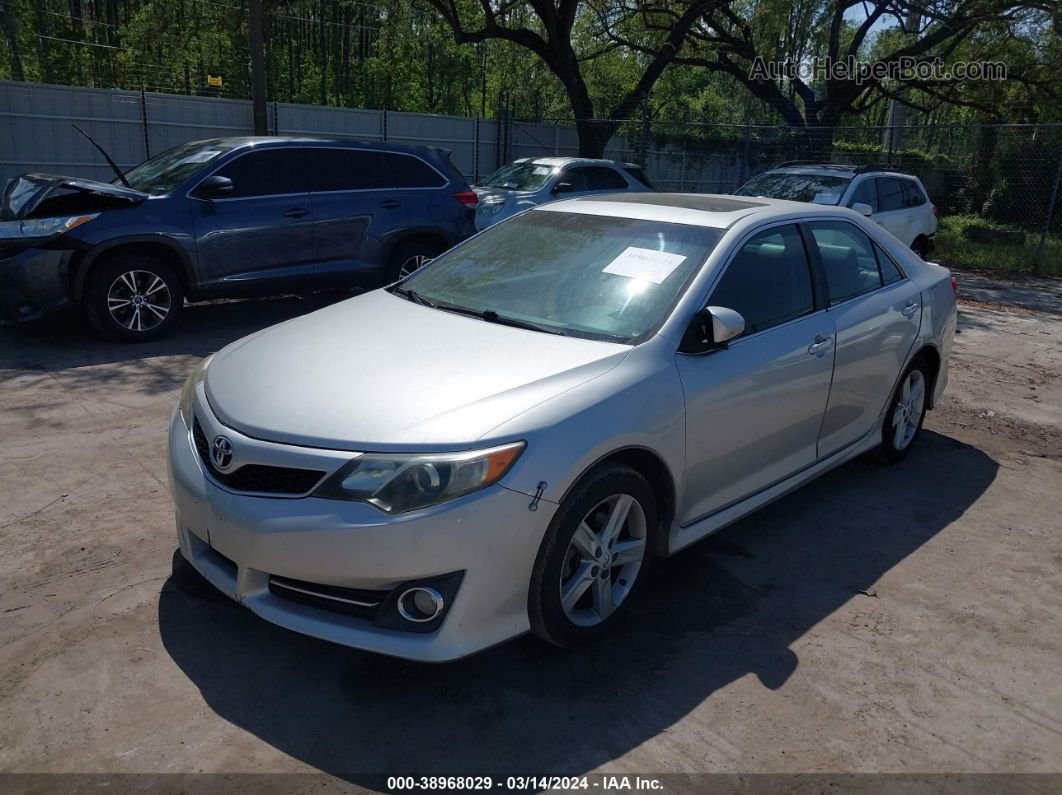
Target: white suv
896	201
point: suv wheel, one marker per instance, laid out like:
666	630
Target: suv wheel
133	297
594	557
920	246
408	258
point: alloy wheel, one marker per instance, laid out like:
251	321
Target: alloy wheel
907	415
603	560
138	300
412	264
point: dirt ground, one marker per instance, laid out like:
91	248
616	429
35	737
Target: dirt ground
902	618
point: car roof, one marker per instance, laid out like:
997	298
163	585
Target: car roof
837	170
241	142
698	209
567	161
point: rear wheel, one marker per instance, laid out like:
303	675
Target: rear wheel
133	297
920	246
906	413
408	258
594	557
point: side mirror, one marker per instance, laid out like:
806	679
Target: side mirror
712	329
562	187
213	187
863	209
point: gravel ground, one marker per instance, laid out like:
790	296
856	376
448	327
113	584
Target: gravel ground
902	618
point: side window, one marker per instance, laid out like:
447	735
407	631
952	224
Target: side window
867	193
889	272
267	172
603	178
768	281
891	194
639	174
913	193
848	259
412	172
346	169
579	177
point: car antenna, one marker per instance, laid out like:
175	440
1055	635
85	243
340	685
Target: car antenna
107	157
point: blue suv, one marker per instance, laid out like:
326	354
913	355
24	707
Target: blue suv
225	217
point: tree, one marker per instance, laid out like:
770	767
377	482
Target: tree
744	43
561	35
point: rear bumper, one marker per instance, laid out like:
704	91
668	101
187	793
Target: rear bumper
32	283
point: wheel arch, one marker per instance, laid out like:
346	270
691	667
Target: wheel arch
162	247
431	236
651	466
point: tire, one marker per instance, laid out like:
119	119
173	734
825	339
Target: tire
565	562
408	257
895	445
920	246
150	289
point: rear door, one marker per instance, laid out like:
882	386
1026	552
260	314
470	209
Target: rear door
263	230
359	211
876	311
753	410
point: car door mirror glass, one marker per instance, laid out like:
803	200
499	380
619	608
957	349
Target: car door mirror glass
863	209
214	187
562	187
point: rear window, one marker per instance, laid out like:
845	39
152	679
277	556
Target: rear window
818	188
913	193
891	195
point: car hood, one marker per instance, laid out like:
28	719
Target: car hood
377	372
25	193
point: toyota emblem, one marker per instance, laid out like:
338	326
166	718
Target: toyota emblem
221	453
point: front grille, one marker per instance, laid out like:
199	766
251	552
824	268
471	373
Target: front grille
350	601
257	478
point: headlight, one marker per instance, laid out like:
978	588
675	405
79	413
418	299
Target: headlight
42	227
399	483
188	390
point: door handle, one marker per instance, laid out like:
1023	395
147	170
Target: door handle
820	345
390	204
296	212
910	308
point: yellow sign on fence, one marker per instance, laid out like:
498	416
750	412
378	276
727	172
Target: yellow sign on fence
213	80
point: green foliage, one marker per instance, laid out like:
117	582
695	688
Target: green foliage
955	250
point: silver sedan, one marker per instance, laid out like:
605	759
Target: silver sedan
503	441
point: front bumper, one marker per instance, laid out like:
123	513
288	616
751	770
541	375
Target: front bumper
32	282
238	542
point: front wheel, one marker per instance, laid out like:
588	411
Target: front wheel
133	297
408	258
906	413
594	557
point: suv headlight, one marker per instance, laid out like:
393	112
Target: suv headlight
188	390
42	227
397	483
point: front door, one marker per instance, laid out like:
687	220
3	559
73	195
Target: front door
876	312
263	230
753	410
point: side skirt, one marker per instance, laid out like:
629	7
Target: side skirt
683	536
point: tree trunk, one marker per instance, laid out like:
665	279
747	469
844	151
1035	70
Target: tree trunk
7	22
594	135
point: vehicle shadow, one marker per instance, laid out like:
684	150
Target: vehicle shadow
65	340
726	607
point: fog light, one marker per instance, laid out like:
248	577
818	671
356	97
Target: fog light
420	604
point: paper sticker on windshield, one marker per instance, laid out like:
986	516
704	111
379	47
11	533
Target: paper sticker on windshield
826	198
644	263
540	170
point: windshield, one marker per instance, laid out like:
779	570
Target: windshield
164	172
591	276
821	189
519	176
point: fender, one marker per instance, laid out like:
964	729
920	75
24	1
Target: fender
98	250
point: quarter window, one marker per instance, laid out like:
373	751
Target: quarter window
768	281
889	272
848	258
891	194
266	172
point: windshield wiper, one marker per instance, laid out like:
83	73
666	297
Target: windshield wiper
413	296
502	320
